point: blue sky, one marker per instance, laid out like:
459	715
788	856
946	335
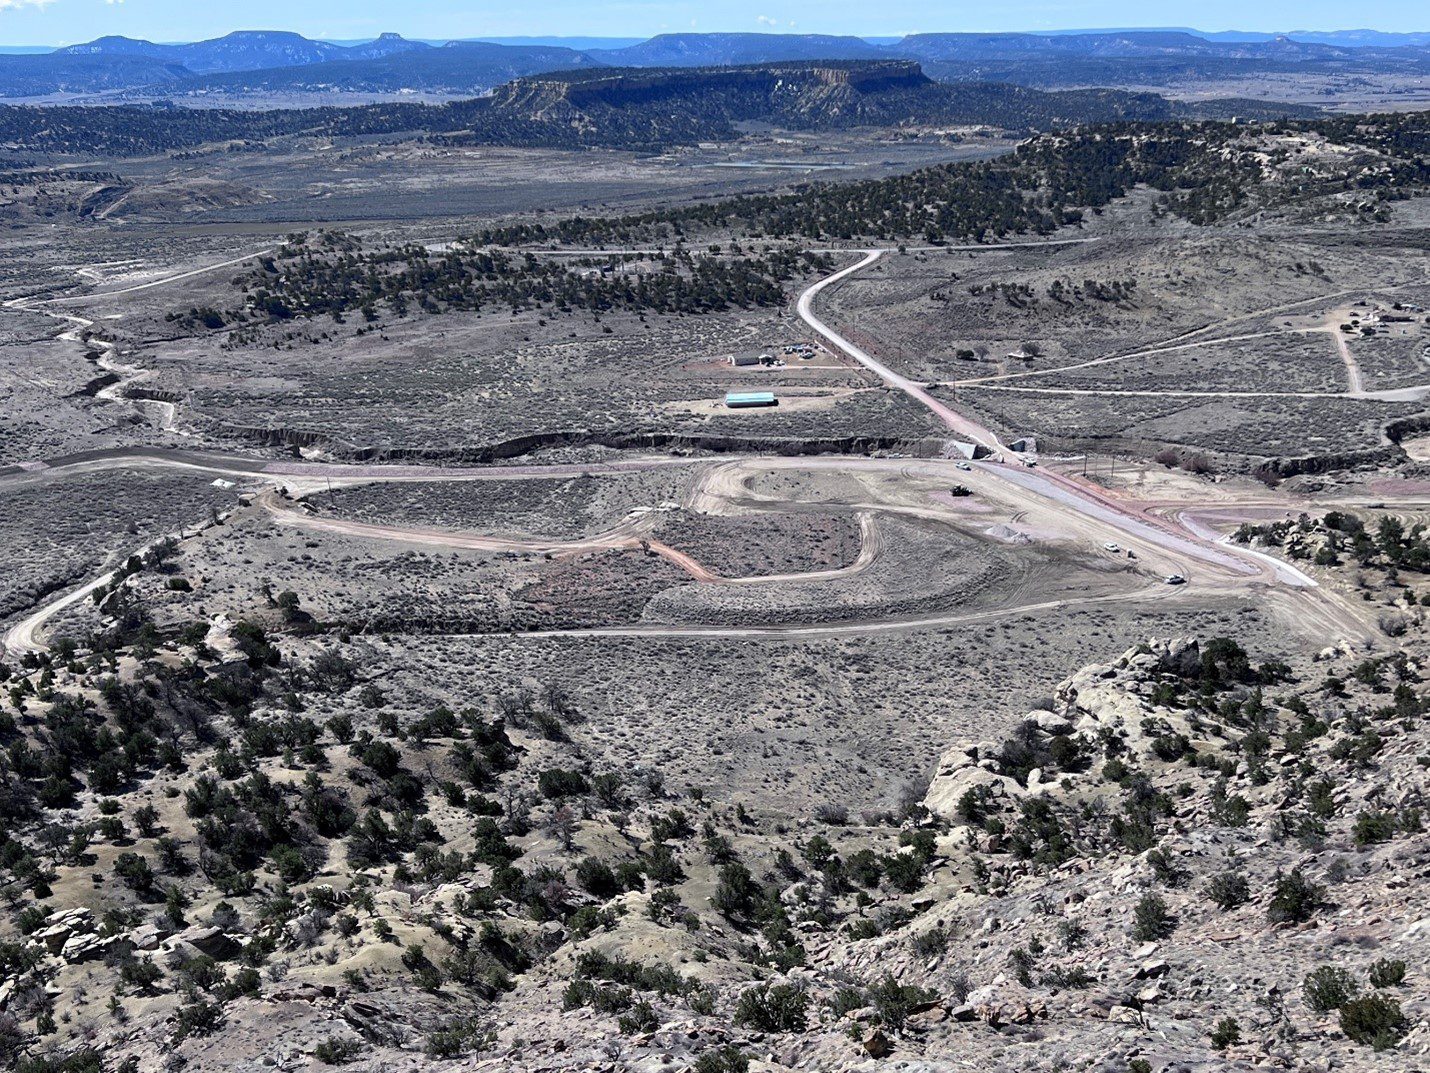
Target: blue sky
32	22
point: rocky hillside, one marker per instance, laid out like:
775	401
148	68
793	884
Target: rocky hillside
228	845
707	102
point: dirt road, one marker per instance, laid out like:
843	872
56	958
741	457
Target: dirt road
631	533
25	635
1355	383
1074	494
1078	511
161	281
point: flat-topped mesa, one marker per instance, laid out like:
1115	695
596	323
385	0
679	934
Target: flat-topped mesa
625	86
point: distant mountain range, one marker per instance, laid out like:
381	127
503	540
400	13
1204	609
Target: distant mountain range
637	108
1349	38
462	68
722	50
270	62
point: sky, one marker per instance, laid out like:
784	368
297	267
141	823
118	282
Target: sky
58	22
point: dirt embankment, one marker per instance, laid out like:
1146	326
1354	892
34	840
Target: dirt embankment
517	446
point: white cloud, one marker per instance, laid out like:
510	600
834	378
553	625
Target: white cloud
767	20
15	5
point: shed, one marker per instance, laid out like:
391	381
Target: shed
740	399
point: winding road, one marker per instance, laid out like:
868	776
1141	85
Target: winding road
1174	543
954	421
1080	496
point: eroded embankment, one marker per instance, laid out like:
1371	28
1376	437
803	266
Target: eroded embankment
519	446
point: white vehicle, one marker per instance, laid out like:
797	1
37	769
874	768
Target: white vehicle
962	465
1110	546
1176	579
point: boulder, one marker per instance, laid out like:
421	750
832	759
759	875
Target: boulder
1002	1003
1051	723
79	918
87	947
206	940
146	937
1150	970
922	1019
53	938
948	786
875	1043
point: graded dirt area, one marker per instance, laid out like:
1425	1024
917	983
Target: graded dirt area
758	545
536	506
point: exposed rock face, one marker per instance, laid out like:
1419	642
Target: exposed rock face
875	1043
207	941
1107	694
961	771
800	86
1100	699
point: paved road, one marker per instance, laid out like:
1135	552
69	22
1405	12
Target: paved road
1087	511
1090	502
954	421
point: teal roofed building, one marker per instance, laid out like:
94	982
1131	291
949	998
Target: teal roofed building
736	400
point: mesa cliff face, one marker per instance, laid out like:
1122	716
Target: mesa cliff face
810	93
